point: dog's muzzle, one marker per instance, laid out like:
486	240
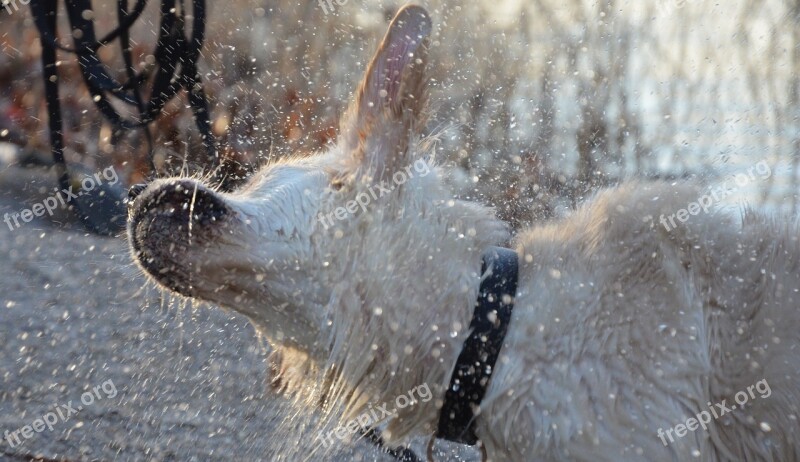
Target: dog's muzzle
167	221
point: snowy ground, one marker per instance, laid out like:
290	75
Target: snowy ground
192	384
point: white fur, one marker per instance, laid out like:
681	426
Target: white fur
619	327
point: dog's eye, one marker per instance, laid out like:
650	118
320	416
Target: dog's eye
337	185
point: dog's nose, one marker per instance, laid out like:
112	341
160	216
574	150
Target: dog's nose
185	201
135	190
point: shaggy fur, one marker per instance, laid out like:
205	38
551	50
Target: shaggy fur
619	328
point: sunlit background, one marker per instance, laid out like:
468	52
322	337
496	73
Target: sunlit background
537	101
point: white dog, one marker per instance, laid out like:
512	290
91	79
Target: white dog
626	341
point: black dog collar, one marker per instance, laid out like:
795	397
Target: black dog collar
475	364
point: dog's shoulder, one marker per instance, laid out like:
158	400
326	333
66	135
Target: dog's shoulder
629	216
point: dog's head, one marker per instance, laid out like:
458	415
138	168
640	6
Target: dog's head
276	249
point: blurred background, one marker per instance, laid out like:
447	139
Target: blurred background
536	102
535	105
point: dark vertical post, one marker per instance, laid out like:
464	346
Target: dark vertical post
48	20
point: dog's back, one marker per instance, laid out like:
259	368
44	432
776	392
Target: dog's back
624	330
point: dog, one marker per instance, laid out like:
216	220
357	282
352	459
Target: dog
361	270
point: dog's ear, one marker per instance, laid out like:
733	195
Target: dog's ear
387	112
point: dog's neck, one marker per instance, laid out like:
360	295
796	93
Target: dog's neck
401	307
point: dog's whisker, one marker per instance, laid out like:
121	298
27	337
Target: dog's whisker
191	209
